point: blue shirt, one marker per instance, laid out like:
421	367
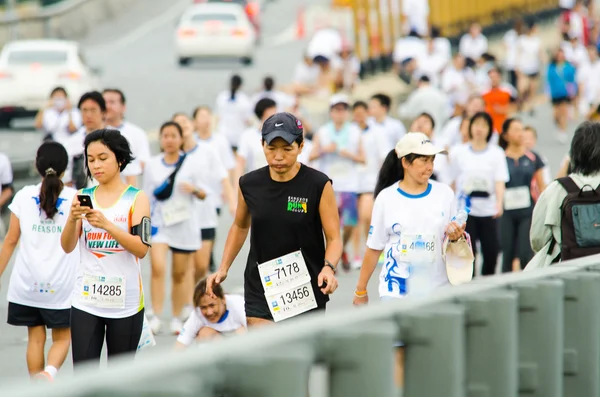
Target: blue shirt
561	80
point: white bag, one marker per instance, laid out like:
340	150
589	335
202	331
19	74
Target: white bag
147	337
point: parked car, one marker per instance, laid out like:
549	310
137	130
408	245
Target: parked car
252	7
30	69
215	30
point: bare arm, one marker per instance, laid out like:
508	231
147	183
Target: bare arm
39	119
10	242
539	179
330	220
72	229
240	166
500	188
316	149
237	233
368	267
5	195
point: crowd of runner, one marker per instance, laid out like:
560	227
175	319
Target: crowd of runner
105	202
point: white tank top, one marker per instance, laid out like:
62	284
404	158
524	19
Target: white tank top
109	281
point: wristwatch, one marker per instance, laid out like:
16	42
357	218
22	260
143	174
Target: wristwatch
330	265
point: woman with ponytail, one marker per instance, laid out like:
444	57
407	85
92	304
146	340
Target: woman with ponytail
234	112
43	275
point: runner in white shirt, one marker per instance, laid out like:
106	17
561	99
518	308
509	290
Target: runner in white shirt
379	109
473	45
234	112
283	100
339	150
375	147
455	82
509	41
213	317
174	182
411	219
250	154
213	172
451	134
93	110
306	76
41	283
112	230
58	119
530	58
480	172
138	139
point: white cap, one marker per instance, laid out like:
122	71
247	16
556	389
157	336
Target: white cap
417	143
338	99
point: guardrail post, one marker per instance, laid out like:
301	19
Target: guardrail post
435	351
361	360
492	356
582	334
283	371
541	337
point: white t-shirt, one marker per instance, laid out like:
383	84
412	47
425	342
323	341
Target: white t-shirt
577	55
417	15
304	157
43	275
6	173
456	84
212	172
340	169
185	234
57	123
233	114
473	47
305	74
233	319
219	144
450	134
284	101
409	47
510	40
251	150
443	48
394	129
397	221
478	171
140	147
528	59
376	149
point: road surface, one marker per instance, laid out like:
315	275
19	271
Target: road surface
142	63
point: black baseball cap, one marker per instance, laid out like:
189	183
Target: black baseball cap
282	125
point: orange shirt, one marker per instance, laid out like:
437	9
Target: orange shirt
498	96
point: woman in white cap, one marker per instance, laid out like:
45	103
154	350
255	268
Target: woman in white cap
412	217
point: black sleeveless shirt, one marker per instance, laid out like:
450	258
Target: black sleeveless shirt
285	218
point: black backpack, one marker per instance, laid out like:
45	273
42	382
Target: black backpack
580	220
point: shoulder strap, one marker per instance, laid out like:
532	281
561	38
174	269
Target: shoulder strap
568	184
179	164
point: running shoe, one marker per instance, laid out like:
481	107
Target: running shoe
176	326
357	263
155	324
345	261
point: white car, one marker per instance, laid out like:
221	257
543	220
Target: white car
215	30
30	69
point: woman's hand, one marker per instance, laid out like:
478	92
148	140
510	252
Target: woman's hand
213	280
454	231
186	187
360	300
77	212
97	219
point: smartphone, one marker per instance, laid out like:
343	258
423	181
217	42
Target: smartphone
85	200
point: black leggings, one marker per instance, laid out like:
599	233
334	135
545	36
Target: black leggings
485	230
88	331
514	234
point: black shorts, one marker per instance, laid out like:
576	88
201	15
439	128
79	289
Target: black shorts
27	316
560	100
180	251
208	234
533	75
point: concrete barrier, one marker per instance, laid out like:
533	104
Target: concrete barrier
69	19
522	334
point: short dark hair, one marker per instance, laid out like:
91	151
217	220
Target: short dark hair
261	107
502	141
58	89
201	108
384	100
430	117
360	104
485	116
93	96
585	149
115	91
200	291
114	141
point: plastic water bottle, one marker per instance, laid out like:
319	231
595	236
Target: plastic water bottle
461	217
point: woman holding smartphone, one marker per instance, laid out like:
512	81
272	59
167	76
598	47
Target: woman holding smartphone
113	234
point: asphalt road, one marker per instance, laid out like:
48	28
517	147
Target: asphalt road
141	62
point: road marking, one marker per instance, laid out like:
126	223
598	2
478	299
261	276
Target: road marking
145	28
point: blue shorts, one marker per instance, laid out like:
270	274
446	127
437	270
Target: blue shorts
347	208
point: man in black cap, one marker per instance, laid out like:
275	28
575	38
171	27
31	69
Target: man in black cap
290	269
